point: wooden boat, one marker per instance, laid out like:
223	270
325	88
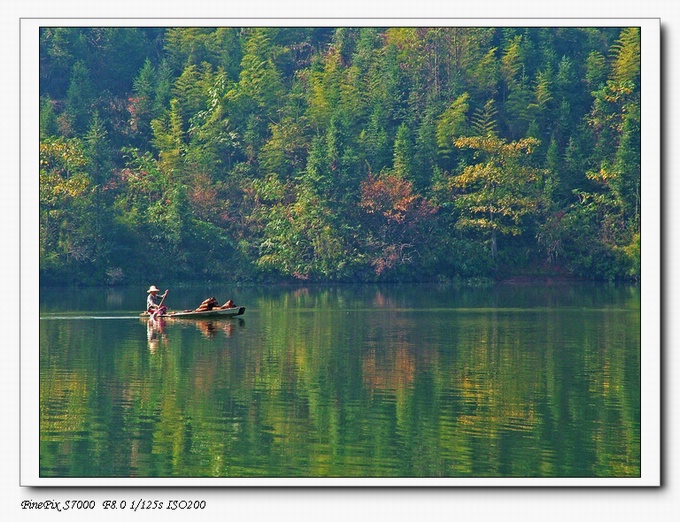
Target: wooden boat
215	313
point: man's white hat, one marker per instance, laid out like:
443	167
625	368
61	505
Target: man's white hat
152	288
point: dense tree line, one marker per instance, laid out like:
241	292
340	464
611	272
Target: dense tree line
338	153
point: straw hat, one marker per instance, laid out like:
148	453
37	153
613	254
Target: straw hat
152	288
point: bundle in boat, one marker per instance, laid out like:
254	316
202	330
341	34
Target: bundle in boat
211	304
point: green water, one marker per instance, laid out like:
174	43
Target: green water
351	381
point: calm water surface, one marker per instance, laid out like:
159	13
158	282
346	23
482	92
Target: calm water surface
352	381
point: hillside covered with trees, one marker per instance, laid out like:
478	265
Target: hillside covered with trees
338	154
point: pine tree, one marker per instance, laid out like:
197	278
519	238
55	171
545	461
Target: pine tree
80	97
627	56
403	154
484	120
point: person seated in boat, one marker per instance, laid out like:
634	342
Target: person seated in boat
152	306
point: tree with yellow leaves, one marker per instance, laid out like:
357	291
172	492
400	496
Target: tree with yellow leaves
495	193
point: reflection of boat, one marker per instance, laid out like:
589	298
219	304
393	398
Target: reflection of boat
209	328
215	313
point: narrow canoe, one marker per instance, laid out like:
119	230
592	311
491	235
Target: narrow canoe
212	314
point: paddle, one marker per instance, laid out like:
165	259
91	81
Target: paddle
164	295
153	315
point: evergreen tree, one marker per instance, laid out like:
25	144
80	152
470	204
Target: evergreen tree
98	151
48	118
142	106
403	154
80	98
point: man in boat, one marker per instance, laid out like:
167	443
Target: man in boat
152	306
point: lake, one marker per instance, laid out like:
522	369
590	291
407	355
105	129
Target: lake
516	380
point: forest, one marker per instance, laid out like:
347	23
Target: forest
321	154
